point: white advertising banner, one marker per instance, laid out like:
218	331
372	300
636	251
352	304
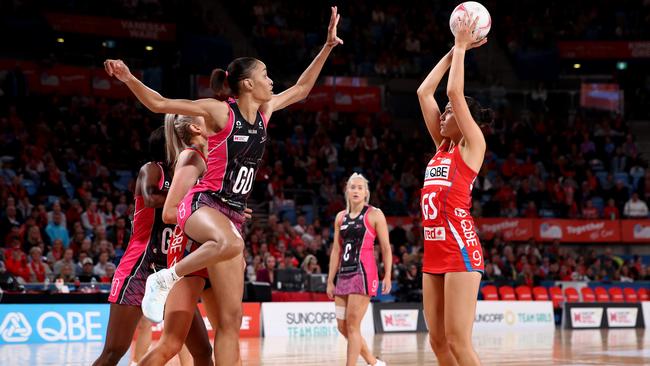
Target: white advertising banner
622	317
399	320
514	314
587	317
305	319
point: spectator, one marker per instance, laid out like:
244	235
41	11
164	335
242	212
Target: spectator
67	273
91	219
267	274
55	252
68	259
56	229
589	211
38	269
410	284
119	235
100	268
611	211
87	274
310	265
110	272
16	262
635	208
56	208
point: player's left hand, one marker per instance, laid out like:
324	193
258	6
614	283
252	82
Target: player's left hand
332	39
386	285
248	213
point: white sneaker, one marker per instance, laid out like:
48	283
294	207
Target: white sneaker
379	363
155	294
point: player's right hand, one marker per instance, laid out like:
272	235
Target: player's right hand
118	69
330	290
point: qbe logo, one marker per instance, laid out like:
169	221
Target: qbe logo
15	328
51	326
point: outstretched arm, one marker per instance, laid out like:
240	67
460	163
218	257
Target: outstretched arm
428	104
210	109
472	134
308	78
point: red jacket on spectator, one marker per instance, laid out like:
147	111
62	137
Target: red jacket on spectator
611	213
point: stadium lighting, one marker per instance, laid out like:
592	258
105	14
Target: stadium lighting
60	40
577	66
148	48
621	65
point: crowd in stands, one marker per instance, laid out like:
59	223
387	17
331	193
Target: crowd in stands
67	165
66	183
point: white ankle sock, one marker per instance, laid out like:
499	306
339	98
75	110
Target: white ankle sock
172	270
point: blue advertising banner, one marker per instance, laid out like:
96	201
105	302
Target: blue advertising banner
45	323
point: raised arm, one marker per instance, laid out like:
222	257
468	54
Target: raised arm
381	227
149	185
428	104
472	134
334	255
189	168
308	78
210	109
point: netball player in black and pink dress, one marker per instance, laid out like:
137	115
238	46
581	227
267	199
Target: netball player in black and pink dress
212	212
352	262
453	258
145	254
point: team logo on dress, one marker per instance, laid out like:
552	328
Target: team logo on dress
254	132
461	212
261	125
238	124
437	172
15	328
240	138
434	233
115	286
445	161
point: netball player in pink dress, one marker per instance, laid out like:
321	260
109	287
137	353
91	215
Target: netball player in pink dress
352	263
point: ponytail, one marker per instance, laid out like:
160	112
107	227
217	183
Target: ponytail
225	83
177	135
219	84
483	116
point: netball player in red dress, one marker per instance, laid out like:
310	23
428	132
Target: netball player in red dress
212	212
144	254
453	259
352	262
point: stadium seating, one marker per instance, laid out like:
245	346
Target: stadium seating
616	294
601	294
507	293
571	295
523	293
643	294
541	294
630	295
489	293
588	295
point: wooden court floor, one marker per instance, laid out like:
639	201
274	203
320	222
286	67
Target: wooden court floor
554	347
559	347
